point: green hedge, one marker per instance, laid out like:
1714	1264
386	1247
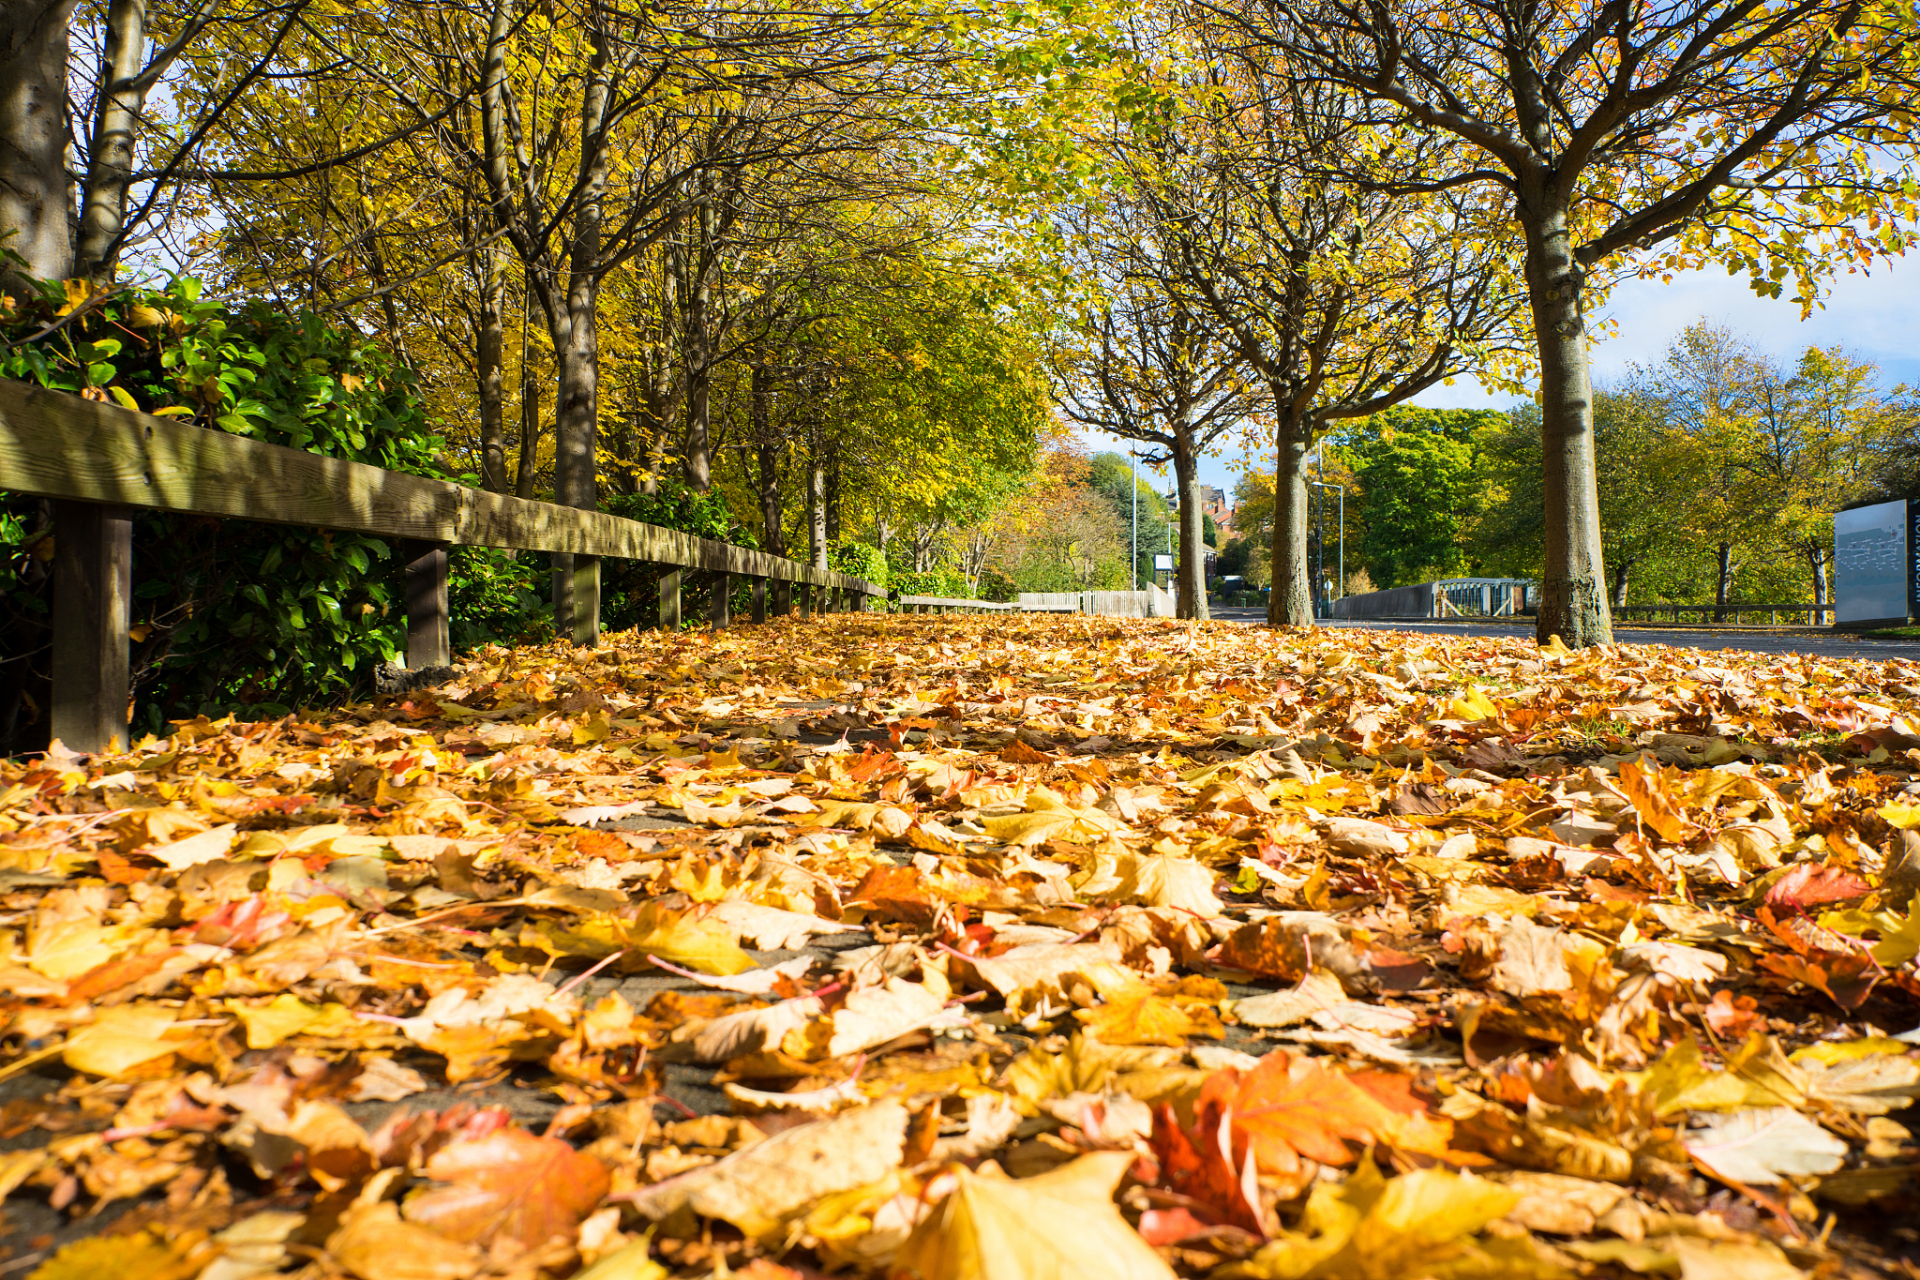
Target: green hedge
226	614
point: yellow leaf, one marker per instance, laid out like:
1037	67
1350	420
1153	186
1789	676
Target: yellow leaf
630	1262
121	1038
139	1254
1062	1224
1900	814
1474	704
1137	1015
208	846
286	1016
1163	879
705	945
591	728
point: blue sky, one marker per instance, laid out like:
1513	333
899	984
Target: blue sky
1876	317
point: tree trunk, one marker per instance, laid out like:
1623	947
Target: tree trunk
1817	563
1573	605
833	499
1722	580
1291	604
523	481
33	137
1190	587
817	512
492	376
103	201
772	509
576	417
697	460
1622	571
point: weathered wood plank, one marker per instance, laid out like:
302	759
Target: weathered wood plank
670	601
428	642
92	596
61	446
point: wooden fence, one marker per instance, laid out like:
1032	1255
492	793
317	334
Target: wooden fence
98	460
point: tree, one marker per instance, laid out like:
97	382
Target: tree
1139	364
1421	487
1770	138
1342	299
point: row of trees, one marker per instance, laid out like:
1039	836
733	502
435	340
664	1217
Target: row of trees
721	250
1312	210
823	259
1719	472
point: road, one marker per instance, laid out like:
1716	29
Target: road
1825	644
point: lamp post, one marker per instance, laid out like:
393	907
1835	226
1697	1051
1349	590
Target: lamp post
1342	570
1134	456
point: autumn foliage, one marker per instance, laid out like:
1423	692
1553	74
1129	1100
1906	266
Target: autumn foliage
961	948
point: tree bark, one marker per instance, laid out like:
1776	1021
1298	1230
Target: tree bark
576	416
772	508
697	457
33	137
1573	604
490	355
1722	580
103	200
1291	604
1190	586
1622	571
817	511
1817	563
525	473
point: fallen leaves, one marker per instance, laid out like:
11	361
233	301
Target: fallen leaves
997	948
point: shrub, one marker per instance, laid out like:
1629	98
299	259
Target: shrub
944	581
861	560
998	587
227	614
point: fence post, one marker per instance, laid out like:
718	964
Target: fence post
759	599
428	644
92	599
586	600
670	601
782	597
806	603
721	609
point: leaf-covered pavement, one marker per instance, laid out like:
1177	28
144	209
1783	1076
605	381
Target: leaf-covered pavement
1007	948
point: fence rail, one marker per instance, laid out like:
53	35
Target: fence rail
98	460
1815	614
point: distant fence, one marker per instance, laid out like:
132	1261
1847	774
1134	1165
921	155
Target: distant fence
1811	615
1444	598
1151	603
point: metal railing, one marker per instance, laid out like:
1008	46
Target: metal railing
1796	614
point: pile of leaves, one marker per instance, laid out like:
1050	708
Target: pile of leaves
946	947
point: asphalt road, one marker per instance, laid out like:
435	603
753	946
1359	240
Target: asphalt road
1825	644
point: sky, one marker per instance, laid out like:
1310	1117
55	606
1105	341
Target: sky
1875	317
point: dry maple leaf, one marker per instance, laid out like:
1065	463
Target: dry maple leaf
509	1184
1060	1225
1284	1108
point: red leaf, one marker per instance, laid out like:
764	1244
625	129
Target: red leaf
1807	885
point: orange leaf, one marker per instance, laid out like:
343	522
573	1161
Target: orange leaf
1285	1108
1653	801
509	1183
